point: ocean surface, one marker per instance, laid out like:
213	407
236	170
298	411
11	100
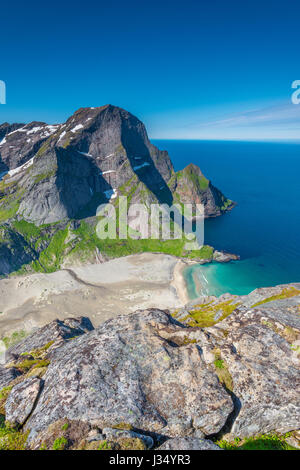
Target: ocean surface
264	227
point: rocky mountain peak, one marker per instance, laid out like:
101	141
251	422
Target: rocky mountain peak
20	142
54	173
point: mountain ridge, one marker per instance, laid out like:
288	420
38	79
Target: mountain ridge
107	139
58	174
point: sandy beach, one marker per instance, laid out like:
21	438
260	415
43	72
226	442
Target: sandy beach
99	291
179	283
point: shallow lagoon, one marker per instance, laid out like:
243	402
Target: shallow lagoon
264	228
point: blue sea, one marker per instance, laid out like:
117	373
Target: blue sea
264	227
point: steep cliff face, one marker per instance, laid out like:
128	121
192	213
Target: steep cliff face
7	128
65	171
14	250
191	186
54	174
20	142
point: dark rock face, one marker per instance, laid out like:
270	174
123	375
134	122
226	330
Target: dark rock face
51	174
66	171
191	186
21	401
20	142
56	332
14	250
8	375
6	128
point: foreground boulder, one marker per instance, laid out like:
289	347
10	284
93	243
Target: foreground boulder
7	375
54	334
254	343
127	372
21	401
144	380
262	357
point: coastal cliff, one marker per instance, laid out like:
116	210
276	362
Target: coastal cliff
54	177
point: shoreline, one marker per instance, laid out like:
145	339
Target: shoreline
179	283
102	291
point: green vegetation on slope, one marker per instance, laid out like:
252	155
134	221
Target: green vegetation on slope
285	294
28	230
262	442
60	443
15	338
87	241
222	371
10	195
205	315
51	258
189	173
54	244
9	211
11	439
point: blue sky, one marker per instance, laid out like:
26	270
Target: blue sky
194	69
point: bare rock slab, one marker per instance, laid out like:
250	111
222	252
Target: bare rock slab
56	332
261	355
188	443
7	376
125	371
21	401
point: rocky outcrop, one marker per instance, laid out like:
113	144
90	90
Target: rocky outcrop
188	443
7	375
262	358
191	186
254	340
146	374
130	373
54	334
224	257
206	310
21	401
14	250
20	142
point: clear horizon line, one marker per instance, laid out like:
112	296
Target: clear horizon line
275	140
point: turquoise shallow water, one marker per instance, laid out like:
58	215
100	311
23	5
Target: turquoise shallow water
264	228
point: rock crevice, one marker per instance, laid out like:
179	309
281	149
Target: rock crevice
150	374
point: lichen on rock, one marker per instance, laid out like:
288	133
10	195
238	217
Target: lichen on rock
146	380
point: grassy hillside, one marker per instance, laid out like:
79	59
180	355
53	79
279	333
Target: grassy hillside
57	245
